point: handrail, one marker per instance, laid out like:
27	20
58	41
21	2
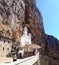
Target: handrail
25	60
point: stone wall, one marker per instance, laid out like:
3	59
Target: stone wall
5	46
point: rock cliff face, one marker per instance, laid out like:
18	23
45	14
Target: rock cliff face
15	14
12	13
34	21
52	50
50	45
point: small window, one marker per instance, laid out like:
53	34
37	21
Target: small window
4	41
8	49
8	42
3	48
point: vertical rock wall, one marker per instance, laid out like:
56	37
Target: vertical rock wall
12	13
15	14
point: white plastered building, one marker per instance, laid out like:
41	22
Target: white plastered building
26	37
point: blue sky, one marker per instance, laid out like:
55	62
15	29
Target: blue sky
50	13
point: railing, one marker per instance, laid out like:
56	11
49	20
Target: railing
27	61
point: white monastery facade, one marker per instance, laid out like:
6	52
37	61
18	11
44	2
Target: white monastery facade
26	37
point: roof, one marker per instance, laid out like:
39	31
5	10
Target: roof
35	46
31	45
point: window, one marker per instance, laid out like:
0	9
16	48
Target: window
4	41
8	42
8	49
3	48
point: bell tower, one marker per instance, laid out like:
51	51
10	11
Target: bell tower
25	30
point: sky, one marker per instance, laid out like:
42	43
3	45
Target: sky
50	13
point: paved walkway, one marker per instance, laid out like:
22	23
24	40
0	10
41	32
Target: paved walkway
6	59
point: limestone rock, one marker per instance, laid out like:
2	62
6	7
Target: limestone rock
15	14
